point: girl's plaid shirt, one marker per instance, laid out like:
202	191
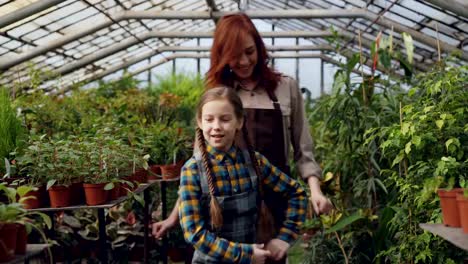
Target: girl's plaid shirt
232	177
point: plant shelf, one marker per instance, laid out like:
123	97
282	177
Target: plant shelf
451	234
32	250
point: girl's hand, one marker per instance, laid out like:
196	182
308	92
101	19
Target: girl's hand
320	203
278	248
259	254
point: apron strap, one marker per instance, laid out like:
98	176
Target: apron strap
273	98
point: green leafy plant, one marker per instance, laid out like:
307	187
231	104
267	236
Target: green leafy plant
12	133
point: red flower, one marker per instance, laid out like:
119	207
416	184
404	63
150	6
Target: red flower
131	219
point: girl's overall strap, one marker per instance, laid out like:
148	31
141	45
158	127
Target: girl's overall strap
202	172
249	165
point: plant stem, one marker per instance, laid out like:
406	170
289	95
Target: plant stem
342	248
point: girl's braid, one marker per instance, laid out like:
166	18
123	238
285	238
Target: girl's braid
215	210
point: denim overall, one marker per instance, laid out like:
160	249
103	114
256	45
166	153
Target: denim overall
239	212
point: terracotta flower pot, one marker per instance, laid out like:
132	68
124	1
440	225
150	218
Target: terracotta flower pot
114	194
21	239
36	199
154	169
169	171
7	241
462	203
95	193
60	196
448	204
140	176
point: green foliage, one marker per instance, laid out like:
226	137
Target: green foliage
428	150
12	133
178	95
364	147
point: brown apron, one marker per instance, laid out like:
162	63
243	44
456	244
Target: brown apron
265	129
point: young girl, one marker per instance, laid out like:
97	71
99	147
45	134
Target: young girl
222	187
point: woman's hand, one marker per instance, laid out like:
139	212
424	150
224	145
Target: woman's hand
320	203
278	248
260	254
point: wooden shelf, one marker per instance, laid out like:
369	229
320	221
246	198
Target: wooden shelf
451	234
31	251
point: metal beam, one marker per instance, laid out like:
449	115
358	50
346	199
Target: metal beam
456	7
27	11
212	5
125	44
172	57
430	41
257	14
168	58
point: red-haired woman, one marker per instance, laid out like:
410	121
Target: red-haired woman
275	114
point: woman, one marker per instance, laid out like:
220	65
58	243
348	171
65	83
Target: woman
275	112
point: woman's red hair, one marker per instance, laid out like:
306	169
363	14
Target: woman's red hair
230	31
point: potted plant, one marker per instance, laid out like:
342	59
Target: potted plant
15	223
60	161
97	177
462	204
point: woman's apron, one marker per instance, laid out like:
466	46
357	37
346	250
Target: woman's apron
265	129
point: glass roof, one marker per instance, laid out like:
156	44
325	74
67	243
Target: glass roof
54	36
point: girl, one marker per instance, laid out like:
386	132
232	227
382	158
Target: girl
222	187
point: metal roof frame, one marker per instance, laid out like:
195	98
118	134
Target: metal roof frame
97	39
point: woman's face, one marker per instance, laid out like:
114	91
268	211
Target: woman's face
244	65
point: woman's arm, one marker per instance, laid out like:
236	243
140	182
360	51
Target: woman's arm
304	150
194	224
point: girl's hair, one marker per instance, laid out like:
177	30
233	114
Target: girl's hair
225	93
221	93
230	31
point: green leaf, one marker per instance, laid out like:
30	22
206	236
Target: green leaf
109	186
408	40
385	58
45	218
352	62
408	147
416	140
139	199
382	186
50	183
24	189
405	128
398	158
344	222
440	123
451	141
71	221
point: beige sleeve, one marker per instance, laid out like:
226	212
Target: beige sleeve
301	139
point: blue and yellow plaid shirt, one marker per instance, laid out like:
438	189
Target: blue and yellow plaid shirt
232	178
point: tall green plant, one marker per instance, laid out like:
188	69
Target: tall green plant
12	132
186	87
428	149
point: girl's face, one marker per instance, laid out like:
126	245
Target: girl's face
219	124
243	66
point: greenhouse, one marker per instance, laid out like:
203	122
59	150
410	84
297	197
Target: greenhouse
234	131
